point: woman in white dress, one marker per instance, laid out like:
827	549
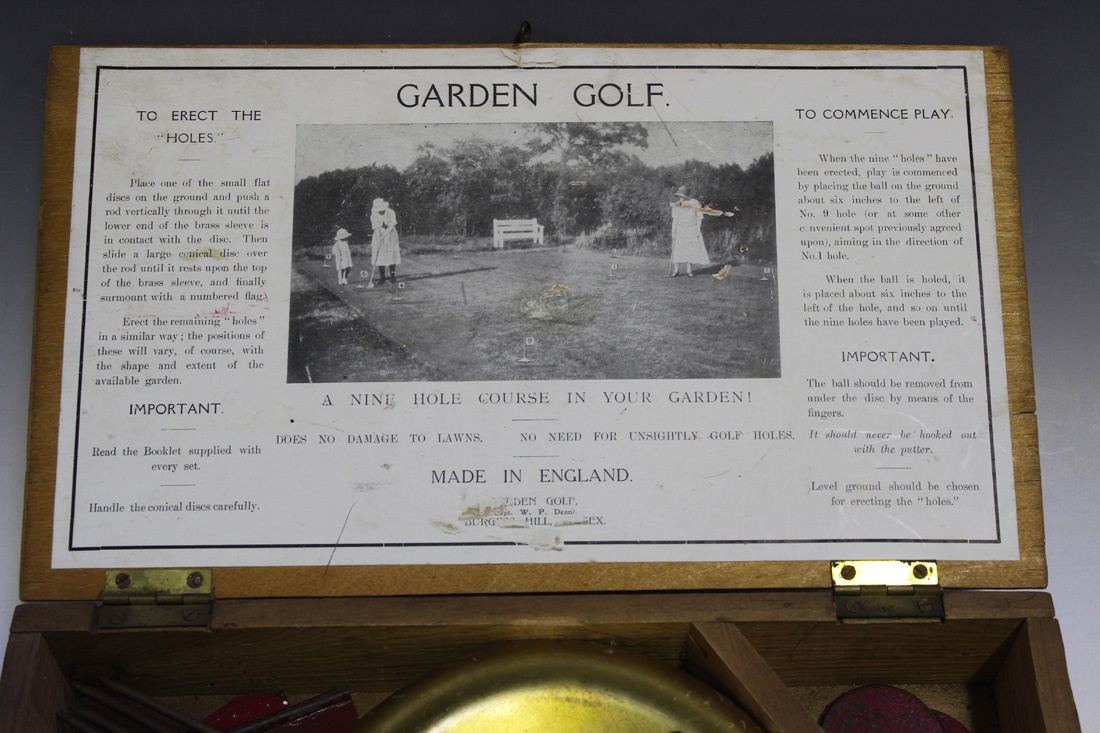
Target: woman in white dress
384	247
687	238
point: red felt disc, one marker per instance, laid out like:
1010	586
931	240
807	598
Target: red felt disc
244	709
879	709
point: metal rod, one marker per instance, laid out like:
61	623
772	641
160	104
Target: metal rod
103	723
135	714
303	708
77	723
159	707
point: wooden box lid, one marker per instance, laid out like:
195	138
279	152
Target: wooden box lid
40	580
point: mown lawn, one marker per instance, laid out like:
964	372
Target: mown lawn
590	315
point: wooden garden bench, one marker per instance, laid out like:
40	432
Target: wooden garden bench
505	229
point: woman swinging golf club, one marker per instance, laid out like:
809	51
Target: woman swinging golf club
687	237
384	247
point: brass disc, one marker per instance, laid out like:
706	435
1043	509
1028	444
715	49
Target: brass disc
562	687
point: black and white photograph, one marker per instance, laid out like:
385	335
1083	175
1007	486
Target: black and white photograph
534	251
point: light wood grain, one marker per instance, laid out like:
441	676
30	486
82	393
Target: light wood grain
38	581
369	640
377	645
718	651
55	207
32	686
1033	690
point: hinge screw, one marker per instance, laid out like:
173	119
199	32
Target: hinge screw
848	572
117	617
852	605
190	614
924	604
920	572
122	581
194	580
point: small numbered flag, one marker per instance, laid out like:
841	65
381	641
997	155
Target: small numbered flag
527	341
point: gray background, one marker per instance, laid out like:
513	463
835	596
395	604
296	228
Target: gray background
1054	56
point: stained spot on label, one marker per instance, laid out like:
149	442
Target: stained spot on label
214	254
475	512
446	527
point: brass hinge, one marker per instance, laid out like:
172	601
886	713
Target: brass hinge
887	589
156	598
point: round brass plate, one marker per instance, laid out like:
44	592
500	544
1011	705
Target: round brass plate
563	687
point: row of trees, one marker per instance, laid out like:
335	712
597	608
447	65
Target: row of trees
578	179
